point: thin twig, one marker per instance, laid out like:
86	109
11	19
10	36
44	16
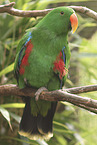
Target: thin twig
93	110
86	11
82	89
8	8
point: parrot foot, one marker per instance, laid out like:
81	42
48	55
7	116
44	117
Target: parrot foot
39	91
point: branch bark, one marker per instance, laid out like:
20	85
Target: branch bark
58	95
8	8
82	89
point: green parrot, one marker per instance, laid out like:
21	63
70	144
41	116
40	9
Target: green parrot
42	60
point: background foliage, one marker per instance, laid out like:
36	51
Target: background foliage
72	125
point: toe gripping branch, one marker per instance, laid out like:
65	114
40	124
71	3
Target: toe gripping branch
39	91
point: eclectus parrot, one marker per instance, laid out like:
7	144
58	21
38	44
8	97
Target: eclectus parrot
42	60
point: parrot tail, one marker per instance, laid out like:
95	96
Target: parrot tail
35	127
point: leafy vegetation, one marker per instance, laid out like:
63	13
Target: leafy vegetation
72	125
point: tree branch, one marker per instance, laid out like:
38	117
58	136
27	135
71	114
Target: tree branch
8	8
58	95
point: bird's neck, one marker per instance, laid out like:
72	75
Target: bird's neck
52	42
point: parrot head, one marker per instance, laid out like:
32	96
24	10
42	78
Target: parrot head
61	20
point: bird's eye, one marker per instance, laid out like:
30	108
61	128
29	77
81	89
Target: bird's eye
62	13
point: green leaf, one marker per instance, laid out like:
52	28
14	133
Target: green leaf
60	124
7	69
16	117
6	115
61	140
19	140
13	105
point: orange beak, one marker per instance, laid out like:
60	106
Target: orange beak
74	22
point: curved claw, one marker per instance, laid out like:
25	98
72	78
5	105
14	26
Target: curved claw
39	91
